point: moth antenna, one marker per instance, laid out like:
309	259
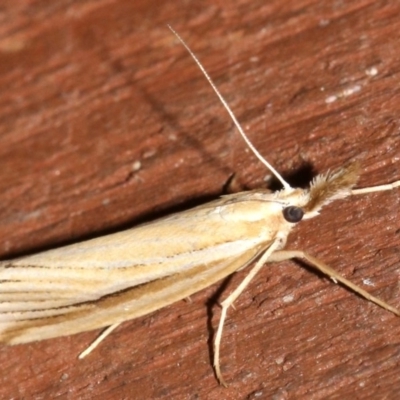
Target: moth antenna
231	114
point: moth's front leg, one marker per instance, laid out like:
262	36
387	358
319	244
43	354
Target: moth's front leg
228	302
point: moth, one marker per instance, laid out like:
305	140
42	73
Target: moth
105	281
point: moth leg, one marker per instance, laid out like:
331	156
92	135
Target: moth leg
228	302
380	188
319	265
99	339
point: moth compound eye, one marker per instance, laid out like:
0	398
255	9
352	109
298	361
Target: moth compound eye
293	214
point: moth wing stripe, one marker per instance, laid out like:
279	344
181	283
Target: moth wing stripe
122	306
89	288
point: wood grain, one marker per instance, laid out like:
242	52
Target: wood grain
105	121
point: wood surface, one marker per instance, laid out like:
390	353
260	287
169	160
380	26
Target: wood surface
106	122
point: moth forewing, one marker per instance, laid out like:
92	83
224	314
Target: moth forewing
121	276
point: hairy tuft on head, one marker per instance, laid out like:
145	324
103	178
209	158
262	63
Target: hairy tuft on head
331	186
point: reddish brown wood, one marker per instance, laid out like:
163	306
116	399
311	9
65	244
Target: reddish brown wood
89	88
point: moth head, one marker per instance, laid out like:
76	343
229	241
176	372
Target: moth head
304	204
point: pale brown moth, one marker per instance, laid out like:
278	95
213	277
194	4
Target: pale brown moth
105	281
